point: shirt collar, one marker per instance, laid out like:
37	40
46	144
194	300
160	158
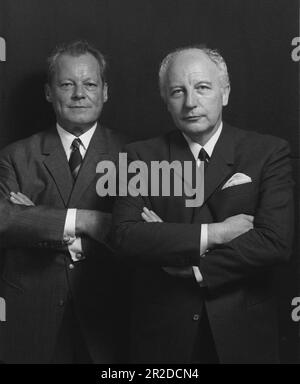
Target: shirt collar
209	146
67	137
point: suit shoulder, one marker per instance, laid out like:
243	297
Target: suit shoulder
257	140
31	144
119	138
152	145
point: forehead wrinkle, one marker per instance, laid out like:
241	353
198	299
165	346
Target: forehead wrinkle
75	68
190	78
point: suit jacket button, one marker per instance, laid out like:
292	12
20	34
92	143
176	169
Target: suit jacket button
71	266
196	317
61	303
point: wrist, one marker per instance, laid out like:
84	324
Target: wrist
214	234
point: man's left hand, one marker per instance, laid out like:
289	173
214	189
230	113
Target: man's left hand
20	199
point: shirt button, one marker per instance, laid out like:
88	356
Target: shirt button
196	317
61	303
71	266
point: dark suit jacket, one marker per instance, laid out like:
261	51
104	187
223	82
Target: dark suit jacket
36	280
239	294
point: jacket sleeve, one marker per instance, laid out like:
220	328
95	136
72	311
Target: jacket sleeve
157	244
22	226
269	242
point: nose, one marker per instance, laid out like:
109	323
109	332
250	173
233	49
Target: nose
78	92
190	99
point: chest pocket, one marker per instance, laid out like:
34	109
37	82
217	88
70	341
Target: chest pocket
234	200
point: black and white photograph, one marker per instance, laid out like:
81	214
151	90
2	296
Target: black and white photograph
149	184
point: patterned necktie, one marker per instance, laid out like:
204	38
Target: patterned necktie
204	158
75	158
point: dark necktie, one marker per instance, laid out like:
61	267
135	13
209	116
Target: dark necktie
204	158
75	158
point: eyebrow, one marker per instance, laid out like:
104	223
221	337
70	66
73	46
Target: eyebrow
171	86
203	82
85	79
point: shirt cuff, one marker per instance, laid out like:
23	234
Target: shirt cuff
75	250
70	225
74	243
203	248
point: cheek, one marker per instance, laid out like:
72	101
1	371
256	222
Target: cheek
213	105
61	101
174	108
96	99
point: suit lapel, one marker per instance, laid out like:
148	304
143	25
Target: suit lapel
220	165
179	150
56	162
97	151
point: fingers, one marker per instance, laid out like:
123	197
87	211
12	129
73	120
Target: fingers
150	216
249	218
25	198
249	221
15	198
20	198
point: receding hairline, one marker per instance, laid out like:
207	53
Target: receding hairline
192	52
168	61
75	49
75	56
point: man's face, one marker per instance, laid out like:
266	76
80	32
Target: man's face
77	92
195	95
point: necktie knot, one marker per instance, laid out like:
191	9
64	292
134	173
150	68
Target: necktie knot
76	144
203	155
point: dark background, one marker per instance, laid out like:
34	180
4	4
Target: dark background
254	37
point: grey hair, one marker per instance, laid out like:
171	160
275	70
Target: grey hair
212	54
76	48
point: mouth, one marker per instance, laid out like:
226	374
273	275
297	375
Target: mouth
192	118
78	107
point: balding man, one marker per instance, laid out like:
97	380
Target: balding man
203	289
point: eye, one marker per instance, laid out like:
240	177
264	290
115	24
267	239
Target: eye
90	85
176	92
202	87
66	85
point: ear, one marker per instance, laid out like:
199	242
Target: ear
48	93
105	92
225	95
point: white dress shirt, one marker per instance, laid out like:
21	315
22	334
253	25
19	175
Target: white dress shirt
195	149
74	243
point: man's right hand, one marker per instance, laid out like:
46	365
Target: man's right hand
229	229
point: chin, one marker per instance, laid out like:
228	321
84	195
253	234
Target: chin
195	130
81	120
